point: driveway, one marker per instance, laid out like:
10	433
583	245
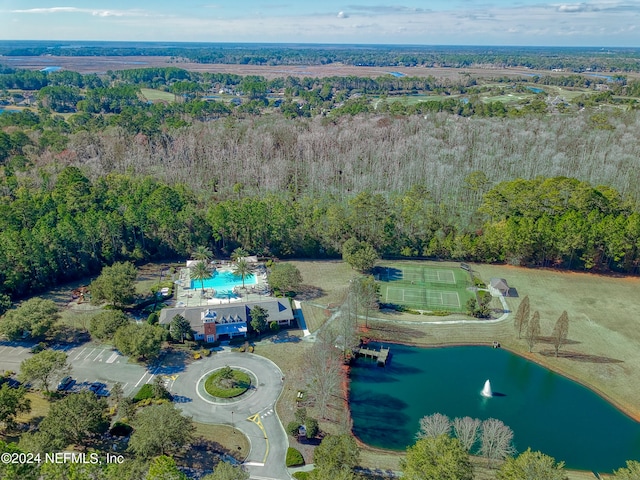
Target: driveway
253	413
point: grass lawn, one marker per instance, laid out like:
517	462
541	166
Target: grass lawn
214	384
324	282
154	95
229	439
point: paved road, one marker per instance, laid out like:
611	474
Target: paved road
253	414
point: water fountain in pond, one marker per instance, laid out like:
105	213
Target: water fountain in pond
486	391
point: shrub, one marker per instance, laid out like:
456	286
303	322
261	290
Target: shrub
294	458
292	428
153	318
146	391
311	425
274	326
205	352
196	355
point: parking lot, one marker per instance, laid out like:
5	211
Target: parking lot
93	363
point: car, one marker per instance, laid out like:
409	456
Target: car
65	383
97	388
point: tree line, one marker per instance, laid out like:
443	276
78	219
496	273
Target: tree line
575	59
70	226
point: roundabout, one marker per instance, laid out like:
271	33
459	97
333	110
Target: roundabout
208	396
251	412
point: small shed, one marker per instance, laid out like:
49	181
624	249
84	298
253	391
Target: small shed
499	286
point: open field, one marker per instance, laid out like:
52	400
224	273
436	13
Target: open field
101	64
157	95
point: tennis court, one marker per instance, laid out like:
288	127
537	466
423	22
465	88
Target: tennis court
424	287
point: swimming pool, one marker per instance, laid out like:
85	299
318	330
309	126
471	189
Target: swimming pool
224	281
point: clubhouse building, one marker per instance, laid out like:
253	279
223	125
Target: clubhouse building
222	322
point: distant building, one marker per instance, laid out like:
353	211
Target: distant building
226	321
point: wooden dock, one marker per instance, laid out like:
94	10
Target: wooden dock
381	356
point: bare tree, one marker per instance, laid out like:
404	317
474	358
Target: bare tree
467	430
434	425
496	440
533	330
560	331
346	324
522	316
323	372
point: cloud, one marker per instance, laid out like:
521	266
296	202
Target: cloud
577	7
382	9
88	11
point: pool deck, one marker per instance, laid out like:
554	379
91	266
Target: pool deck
185	296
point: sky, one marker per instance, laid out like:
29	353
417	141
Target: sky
433	22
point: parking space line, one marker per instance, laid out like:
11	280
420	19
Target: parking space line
113	357
90	353
81	352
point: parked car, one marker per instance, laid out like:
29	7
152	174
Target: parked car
99	389
65	383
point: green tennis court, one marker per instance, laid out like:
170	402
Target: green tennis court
424	287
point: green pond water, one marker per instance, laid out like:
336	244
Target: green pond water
546	411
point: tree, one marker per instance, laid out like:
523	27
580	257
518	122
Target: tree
521	319
311	427
202	254
5	303
179	328
242	269
467	431
368	295
238	253
43	367
33	318
114	285
630	472
434	426
139	340
531	466
160	430
117	393
259	318
437	458
159	390
13	402
533	330
226	471
323	372
360	255
17	470
284	277
560	331
496	440
164	468
74	418
200	271
104	325
335	454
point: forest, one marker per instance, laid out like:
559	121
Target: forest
575	59
93	172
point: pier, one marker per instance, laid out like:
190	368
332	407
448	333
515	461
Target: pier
381	356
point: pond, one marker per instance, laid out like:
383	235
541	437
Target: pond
546	411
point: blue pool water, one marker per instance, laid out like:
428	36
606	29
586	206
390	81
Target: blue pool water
224	281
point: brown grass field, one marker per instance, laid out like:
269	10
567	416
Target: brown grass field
103	64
